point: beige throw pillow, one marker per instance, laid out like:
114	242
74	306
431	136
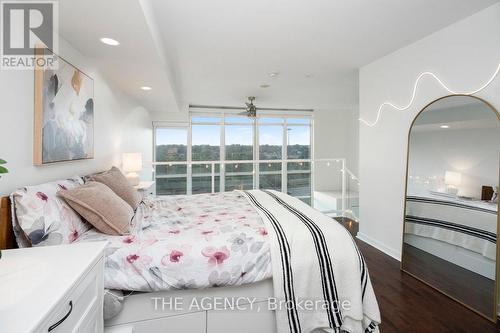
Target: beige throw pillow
101	207
116	181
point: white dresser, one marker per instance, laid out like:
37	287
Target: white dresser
55	289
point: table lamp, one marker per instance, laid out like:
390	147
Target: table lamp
132	163
452	180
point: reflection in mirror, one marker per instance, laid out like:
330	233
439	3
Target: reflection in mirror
451	214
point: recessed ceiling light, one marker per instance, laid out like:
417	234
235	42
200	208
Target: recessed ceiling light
274	74
445	126
265	85
146	88
110	41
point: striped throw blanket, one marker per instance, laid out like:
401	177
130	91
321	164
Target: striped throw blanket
321	282
468	224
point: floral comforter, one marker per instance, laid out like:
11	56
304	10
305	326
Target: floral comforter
182	242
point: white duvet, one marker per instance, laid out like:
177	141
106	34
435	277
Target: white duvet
182	242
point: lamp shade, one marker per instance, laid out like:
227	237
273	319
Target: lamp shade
132	162
452	178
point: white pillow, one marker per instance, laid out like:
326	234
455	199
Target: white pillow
494	197
42	218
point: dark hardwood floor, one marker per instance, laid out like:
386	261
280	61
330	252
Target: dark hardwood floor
349	224
466	286
410	306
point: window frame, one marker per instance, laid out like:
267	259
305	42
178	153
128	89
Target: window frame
173	125
221	116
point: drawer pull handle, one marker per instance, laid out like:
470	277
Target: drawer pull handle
63	318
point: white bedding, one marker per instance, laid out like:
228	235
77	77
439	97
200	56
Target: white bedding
465	223
318	272
194	242
212	240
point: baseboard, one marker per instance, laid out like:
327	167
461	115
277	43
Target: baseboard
376	244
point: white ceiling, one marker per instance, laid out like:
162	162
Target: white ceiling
220	51
135	62
459	113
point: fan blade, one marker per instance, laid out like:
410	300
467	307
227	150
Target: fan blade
221	107
285	109
242	113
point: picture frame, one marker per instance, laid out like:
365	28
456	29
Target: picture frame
63	113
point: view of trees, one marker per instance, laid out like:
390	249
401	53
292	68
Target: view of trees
205	153
239	152
170	153
298	184
172	179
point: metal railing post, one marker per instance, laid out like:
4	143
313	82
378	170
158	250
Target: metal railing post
344	184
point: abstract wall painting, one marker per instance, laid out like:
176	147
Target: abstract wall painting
64	113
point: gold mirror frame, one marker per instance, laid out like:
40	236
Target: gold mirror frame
494	315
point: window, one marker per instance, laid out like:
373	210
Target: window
205	146
238	120
203	177
299	148
270	175
299	180
270	142
299	142
239	142
222	152
270	149
171	144
205	142
171	153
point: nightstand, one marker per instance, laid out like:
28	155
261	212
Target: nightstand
146	188
52	288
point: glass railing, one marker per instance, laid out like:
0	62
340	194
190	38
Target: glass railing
352	196
321	183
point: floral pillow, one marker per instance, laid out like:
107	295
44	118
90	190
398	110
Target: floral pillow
43	218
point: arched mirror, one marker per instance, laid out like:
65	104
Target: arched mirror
451	211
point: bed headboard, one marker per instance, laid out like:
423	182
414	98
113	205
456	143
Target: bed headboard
7	238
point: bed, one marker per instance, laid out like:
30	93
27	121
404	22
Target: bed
264	250
458	230
199	237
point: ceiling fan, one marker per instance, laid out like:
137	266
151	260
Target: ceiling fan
250	108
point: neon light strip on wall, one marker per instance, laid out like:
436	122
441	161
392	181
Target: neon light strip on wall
403	108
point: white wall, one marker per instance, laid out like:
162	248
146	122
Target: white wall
121	125
464	55
335	136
